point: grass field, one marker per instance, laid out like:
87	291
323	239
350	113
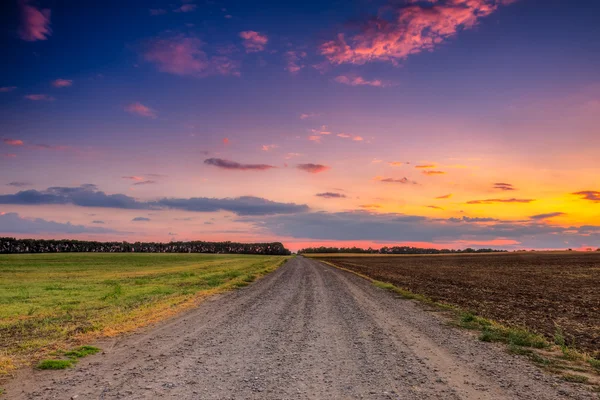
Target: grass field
52	301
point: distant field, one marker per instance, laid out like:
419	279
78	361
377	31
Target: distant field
49	299
545	292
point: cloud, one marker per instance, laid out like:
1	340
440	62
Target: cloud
370	206
186	8
315	138
35	23
493	201
404	180
504	186
396	163
590	195
12	142
6	89
226	164
61	83
308	115
331	195
321	131
399	228
141	110
312	168
294	62
358	81
157	11
149	182
347	136
429	173
254	41
425	166
547	216
39	97
15	224
435	207
98	222
140	219
183	55
446	196
89	196
9	155
133	178
407	28
18	184
268	147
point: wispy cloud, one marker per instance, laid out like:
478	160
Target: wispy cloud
425	166
148	182
183	55
294	61
446	196
308	115
313	168
39	97
35	22
185	8
157	11
504	186
435	207
254	41
140	219
141	110
404	180
323	130
353	137
18	184
331	195
396	163
359	81
61	83
12	142
133	178
269	147
493	201
410	29
591	195
430	172
370	206
232	165
6	89
15	224
547	216
315	138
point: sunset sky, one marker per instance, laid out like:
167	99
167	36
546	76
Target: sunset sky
438	123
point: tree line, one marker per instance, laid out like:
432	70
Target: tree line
393	250
16	246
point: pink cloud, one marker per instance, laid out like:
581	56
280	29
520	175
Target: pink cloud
424	166
396	163
433	173
61	83
7	89
12	142
446	196
294	61
35	23
315	138
344	135
183	55
358	81
186	8
254	41
312	168
321	131
308	115
404	180
268	147
225	141
39	97
141	110
358	138
410	30
232	165
9	155
133	178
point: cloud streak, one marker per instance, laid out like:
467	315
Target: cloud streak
495	201
312	168
232	165
138	108
591	195
15	224
331	195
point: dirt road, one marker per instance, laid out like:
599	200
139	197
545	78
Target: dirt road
306	331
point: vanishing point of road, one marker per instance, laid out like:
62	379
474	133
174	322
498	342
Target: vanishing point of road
305	331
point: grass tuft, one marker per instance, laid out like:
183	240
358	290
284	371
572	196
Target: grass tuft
575	378
82	351
55	364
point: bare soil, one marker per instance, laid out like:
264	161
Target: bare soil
306	331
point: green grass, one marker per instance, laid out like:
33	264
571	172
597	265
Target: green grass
575	378
82	351
55	364
49	300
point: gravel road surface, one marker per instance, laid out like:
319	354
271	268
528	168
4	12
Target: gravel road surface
306	331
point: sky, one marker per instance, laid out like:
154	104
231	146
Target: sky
434	123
